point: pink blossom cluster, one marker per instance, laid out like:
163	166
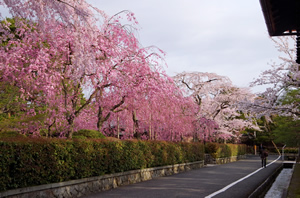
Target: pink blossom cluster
282	78
77	68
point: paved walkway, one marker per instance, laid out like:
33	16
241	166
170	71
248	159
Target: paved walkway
211	181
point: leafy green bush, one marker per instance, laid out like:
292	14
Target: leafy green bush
291	150
192	152
212	149
225	150
81	137
33	161
87	133
11	134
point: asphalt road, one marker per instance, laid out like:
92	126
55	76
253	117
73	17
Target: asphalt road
204	182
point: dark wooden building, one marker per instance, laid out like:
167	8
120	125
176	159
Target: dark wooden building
283	18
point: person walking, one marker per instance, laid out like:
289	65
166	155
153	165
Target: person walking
263	156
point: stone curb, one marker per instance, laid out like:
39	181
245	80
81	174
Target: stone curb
265	186
77	188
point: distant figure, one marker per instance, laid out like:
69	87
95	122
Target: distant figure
260	148
263	155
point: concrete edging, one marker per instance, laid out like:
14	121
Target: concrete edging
265	186
80	187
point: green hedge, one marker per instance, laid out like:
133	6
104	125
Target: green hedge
291	150
225	150
87	133
29	162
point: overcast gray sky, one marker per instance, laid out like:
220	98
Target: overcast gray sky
227	37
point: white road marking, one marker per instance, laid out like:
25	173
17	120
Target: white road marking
233	183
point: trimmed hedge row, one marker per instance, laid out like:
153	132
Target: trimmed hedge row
291	150
225	150
28	162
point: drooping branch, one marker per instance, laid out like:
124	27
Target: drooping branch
113	109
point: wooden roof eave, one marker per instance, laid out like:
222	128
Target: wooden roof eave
266	8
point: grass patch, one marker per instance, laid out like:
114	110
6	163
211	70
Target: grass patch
294	190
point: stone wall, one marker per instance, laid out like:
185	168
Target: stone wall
77	188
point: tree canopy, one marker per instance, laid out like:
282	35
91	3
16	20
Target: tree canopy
66	66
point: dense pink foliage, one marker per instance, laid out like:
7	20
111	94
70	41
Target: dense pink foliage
82	69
